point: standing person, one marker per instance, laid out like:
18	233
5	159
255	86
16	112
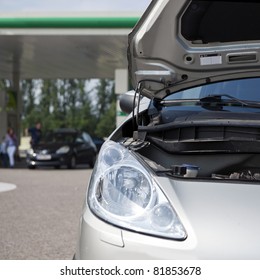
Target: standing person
35	133
11	143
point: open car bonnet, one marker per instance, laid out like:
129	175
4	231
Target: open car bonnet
179	44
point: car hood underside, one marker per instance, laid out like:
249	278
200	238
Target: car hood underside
179	44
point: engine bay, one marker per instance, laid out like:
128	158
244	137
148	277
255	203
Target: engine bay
210	165
210	145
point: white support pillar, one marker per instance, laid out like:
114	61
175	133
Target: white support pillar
15	120
3	114
121	86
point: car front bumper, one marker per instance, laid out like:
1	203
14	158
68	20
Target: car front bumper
99	240
221	220
55	160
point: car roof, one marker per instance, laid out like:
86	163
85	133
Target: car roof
182	43
66	130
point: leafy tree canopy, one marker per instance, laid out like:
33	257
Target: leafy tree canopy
72	103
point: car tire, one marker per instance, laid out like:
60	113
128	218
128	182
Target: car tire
72	163
31	167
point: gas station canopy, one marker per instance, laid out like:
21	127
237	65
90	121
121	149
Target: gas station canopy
63	47
62	43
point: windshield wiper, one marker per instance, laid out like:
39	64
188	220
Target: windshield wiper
172	102
212	102
216	100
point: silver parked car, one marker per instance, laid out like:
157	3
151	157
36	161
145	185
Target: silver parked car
180	179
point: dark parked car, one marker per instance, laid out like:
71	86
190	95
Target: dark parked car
63	147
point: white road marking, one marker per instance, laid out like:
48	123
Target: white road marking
4	187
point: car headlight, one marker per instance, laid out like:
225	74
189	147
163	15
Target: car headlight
30	152
123	193
63	150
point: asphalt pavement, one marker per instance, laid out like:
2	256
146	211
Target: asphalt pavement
39	218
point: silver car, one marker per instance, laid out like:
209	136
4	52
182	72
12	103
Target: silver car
180	179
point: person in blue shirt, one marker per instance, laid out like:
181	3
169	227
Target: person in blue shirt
35	133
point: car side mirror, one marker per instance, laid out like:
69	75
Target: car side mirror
126	101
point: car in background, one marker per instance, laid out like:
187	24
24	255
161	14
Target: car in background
180	178
63	147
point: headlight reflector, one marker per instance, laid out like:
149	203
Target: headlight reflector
124	193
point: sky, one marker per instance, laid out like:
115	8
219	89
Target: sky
14	6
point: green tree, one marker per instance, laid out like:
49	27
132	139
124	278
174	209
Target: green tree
86	117
107	122
70	103
30	91
105	107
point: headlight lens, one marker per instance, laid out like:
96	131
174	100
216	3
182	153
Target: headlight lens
122	192
30	152
63	150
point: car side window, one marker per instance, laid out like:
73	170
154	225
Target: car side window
86	137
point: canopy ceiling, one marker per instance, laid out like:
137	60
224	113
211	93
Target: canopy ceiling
51	48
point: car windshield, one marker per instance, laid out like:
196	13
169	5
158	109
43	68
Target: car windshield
59	138
242	89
